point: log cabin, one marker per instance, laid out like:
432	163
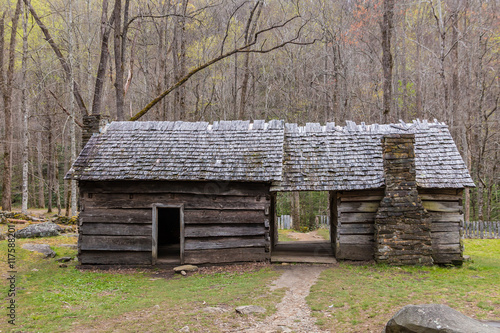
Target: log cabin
199	193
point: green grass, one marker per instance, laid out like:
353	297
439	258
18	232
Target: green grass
54	299
324	232
283	235
350	298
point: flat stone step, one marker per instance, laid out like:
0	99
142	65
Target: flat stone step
302	259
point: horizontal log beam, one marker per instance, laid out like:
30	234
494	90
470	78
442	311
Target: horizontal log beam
115	243
225	255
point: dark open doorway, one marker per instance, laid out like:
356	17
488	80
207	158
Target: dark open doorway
168	235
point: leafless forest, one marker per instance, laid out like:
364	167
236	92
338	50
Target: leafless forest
303	61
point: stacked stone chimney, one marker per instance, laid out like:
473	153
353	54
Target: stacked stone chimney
92	124
402	225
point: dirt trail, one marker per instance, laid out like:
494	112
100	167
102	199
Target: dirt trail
308	236
293	314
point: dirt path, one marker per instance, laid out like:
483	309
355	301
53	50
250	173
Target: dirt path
293	314
308	236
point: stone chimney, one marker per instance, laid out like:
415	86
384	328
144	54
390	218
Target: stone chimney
402	225
92	124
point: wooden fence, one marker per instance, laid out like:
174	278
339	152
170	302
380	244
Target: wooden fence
285	221
481	229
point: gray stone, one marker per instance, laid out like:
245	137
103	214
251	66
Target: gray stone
64	259
248	309
69	246
45	229
183	273
2	236
283	329
186	268
434	318
41	248
63	265
214	309
185	329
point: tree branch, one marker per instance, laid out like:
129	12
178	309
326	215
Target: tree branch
64	109
62	60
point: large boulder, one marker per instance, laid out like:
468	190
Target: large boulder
45	229
40	248
434	318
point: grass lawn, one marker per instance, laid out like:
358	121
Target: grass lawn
354	298
54	299
283	235
347	298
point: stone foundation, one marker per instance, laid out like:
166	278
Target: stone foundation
402	225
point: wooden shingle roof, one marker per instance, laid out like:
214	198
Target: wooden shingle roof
291	157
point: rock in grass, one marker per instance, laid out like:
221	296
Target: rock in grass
248	309
434	318
63	259
69	246
40	248
214	309
45	229
184	329
63	265
185	268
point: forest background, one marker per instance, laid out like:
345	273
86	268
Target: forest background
372	61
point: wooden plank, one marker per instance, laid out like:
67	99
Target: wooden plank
223	216
114	201
376	198
439	197
447	258
445	227
442	206
225	255
355	252
98	215
357	217
224	230
114	258
357	228
115	243
358	207
193	187
223	243
127	229
356	239
445	217
360	193
445	237
446	248
450	191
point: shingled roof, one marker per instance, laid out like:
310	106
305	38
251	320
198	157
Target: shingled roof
350	158
291	157
152	150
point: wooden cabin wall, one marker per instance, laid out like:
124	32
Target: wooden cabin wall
223	222
446	212
355	220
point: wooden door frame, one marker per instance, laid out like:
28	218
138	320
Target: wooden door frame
154	244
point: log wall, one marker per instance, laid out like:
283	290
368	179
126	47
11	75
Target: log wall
353	228
446	213
223	222
353	216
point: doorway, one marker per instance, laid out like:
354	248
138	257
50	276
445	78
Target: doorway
168	234
302	231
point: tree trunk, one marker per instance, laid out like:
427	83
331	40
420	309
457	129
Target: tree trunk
296	210
50	169
72	125
249	33
7	86
41	185
25	112
103	61
387	62
117	13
